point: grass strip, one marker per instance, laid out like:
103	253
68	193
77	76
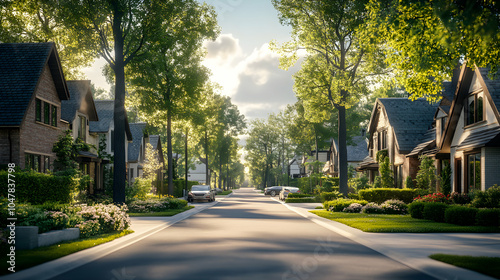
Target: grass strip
397	223
167	213
486	265
29	258
225	192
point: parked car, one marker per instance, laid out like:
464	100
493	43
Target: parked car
273	191
286	190
218	190
201	192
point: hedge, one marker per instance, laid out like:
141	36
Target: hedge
300	200
39	188
460	215
416	209
434	211
488	217
327	196
298	195
180	184
339	204
379	195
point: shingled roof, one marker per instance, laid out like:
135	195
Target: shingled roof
20	68
105	110
409	119
358	150
493	87
134	148
81	100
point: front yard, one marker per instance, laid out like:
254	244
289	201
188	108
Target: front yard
397	223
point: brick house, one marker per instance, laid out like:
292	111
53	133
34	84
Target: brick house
32	87
397	125
78	111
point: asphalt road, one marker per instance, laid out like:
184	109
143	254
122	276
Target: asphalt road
246	236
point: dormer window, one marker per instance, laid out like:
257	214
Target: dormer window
82	128
474	109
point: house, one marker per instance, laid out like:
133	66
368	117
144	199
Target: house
136	151
294	167
78	111
305	169
32	87
397	125
471	133
356	153
199	173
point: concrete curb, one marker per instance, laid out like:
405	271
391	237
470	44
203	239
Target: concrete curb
59	266
436	269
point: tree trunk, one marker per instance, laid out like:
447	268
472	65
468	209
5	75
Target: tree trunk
186	168
207	176
120	166
342	151
170	161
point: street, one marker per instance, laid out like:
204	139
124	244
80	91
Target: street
246	236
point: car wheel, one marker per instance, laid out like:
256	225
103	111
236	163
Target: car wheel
273	193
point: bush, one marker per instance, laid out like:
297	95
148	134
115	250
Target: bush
435	197
326	196
109	218
359	183
409	183
394	206
380	195
488	217
301	200
339	204
426	175
372	208
353	196
156	205
38	188
488	199
434	211
330	183
138	190
416	209
460	198
306	184
460	215
298	195
353	208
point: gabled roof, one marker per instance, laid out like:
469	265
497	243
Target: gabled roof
134	148
409	119
20	68
81	100
493	88
356	151
105	111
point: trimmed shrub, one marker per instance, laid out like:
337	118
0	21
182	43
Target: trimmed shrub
379	195
460	198
372	208
488	217
353	196
434	211
339	204
359	183
416	209
353	208
301	200
326	196
488	199
156	205
298	195
460	215
38	188
330	183
394	206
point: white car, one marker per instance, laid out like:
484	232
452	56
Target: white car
201	192
286	190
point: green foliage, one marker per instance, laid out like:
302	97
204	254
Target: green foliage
156	205
394	206
180	185
301	200
38	188
409	184
298	195
359	183
339	204
139	189
305	184
488	217
330	183
426	175
386	179
66	152
460	198
372	208
446	178
382	194
326	196
434	211
381	155
460	215
416	209
487	199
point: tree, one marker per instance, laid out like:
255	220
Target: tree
426	175
152	163
425	40
337	62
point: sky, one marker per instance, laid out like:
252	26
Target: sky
240	60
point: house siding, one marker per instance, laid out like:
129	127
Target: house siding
491	162
36	137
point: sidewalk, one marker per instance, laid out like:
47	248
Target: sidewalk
414	249
142	227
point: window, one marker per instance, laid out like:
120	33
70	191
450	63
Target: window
38	110
474	171
33	162
382	140
54	116
46	163
82	128
475	112
46	113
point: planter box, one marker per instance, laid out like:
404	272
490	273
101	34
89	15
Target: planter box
27	237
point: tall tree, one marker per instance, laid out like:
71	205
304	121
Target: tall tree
337	63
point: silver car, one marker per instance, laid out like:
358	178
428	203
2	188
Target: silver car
201	192
286	190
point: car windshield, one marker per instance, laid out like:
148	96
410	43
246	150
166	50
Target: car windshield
200	188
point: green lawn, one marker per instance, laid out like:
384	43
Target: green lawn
226	192
29	258
167	213
486	265
397	223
